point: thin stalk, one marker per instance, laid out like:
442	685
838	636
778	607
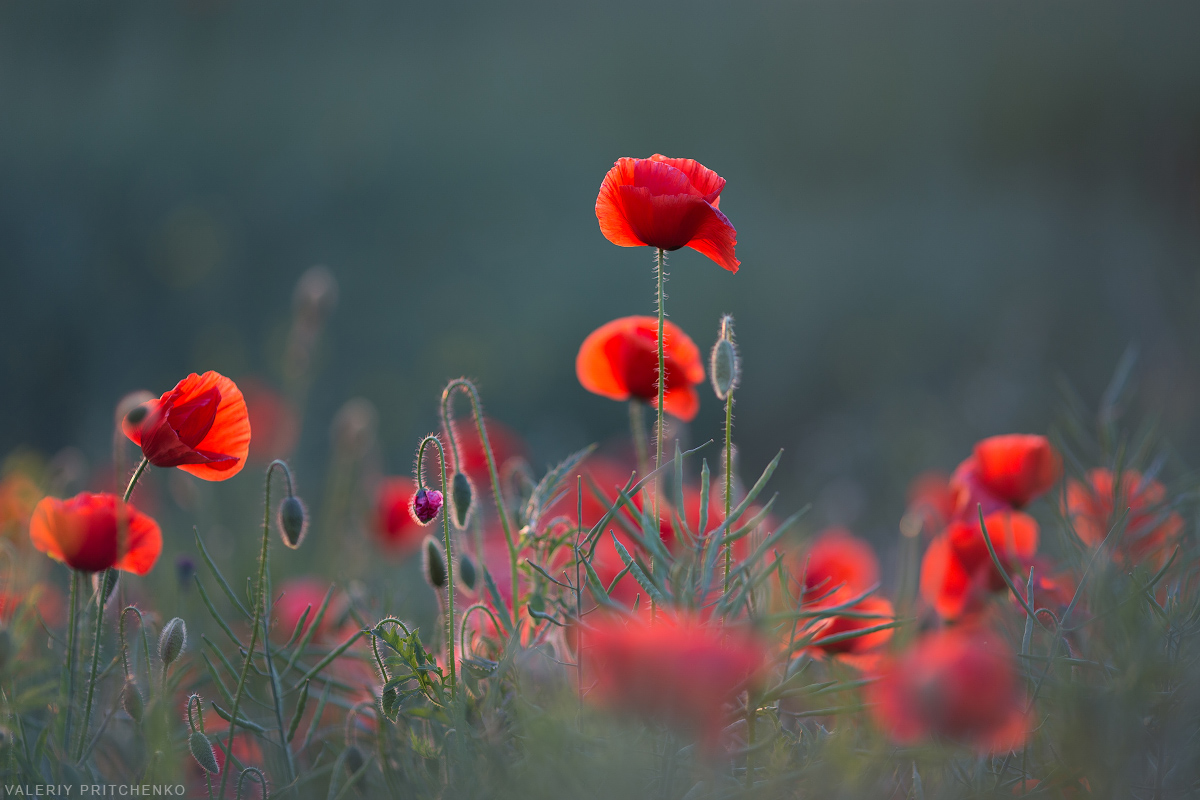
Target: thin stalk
259	603
445	512
659	264
477	409
72	633
579	586
91	692
728	479
637	429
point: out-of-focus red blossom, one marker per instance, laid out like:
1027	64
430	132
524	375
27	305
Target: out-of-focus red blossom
394	525
1007	471
1150	530
676	669
273	420
200	426
837	567
931	500
957	571
92	532
619	360
958	684
47	600
668	203
18	495
473	458
296	594
862	652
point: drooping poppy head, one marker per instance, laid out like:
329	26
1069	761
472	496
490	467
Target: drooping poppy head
93	532
957	571
1017	467
667	203
619	360
394	525
676	669
837	567
200	426
958	684
1151	529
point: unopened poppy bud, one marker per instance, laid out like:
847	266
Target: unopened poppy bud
131	700
724	363
425	505
461	494
467	572
171	641
109	579
435	563
293	521
202	751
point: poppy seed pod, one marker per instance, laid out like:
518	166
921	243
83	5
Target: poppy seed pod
293	521
171	641
724	364
467	572
131	700
425	505
435	563
202	751
461	494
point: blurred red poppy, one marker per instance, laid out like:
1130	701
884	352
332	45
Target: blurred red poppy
959	684
273	420
836	568
1005	471
93	532
931	501
667	203
200	426
676	669
1151	528
473	458
863	651
619	360
47	600
18	495
394	523
295	595
957	571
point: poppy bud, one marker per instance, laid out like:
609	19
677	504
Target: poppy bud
460	494
425	505
131	700
467	572
724	364
171	641
202	751
293	521
435	563
109	577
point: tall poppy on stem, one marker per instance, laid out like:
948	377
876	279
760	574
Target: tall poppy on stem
95	532
200	426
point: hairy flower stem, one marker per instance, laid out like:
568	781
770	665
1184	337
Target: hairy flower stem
260	596
728	480
72	634
104	579
468	387
445	512
660	263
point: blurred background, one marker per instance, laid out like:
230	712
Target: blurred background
942	209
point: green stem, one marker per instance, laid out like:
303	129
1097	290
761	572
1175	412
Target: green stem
259	602
728	479
659	264
477	409
637	429
449	547
72	633
104	578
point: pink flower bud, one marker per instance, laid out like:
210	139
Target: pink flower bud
425	505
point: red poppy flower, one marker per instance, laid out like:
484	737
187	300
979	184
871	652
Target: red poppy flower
94	532
1150	529
859	651
837	567
959	684
619	360
200	426
394	523
957	571
675	669
1005	471
668	203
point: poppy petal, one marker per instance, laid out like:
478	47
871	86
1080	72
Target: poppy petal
708	183
227	442
143	544
682	403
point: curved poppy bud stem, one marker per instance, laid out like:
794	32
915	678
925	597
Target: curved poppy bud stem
724	369
469	389
125	642
260	599
426	442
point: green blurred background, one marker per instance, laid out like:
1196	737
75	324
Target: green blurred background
941	208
